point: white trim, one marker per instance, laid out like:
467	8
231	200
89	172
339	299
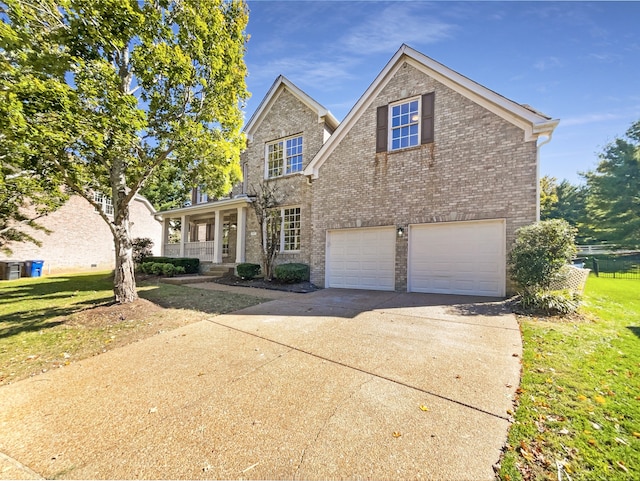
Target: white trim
282	209
145	201
272	95
390	127
533	124
283	141
208	207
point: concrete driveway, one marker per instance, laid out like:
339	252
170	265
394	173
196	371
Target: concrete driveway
334	384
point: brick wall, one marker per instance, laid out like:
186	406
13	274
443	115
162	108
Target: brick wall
478	167
81	240
287	117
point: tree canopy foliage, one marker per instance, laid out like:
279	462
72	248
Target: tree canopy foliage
101	95
613	200
607	207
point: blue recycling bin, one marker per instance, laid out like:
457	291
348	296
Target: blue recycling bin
32	268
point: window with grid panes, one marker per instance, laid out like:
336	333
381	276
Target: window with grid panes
290	237
284	157
405	124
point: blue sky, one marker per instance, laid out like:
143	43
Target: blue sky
575	61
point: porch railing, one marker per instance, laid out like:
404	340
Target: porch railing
201	250
172	250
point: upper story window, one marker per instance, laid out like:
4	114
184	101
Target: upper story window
284	157
201	196
406	123
104	201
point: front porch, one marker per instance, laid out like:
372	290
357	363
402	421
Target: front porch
212	232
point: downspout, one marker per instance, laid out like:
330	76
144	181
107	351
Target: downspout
548	139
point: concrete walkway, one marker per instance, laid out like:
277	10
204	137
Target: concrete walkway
332	384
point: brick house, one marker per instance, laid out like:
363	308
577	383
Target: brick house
81	240
420	188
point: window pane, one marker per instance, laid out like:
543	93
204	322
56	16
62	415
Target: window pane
405	121
275	159
294	155
291	229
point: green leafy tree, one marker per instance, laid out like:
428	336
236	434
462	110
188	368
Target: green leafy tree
613	198
548	195
565	201
106	92
165	188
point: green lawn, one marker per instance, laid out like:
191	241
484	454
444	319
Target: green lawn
49	322
579	407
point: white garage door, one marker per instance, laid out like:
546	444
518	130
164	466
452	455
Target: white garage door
458	258
361	258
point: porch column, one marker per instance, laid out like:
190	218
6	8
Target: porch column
184	232
217	238
165	236
240	233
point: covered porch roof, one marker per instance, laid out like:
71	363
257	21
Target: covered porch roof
206	208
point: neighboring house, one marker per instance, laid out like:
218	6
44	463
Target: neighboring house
420	188
80	239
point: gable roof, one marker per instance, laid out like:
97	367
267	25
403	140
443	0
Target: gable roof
280	84
533	123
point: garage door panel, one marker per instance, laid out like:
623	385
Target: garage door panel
361	258
457	258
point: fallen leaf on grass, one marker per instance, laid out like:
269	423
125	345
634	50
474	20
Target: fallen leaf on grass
600	399
622	466
592	442
636	435
582	397
621	441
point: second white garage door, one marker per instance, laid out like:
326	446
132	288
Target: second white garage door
361	258
458	258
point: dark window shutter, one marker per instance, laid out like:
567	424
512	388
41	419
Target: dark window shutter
194	196
427	118
381	128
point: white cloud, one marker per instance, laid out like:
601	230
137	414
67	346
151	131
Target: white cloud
591	119
385	30
306	72
547	63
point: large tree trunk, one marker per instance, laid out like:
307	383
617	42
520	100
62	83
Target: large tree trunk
124	284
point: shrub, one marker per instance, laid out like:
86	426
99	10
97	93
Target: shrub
550	302
191	266
161	268
539	252
248	270
292	272
170	270
141	249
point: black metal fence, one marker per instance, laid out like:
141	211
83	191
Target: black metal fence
616	268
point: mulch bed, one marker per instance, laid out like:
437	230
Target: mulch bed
299	287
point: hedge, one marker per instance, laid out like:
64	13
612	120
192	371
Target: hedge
191	266
247	270
292	272
161	268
